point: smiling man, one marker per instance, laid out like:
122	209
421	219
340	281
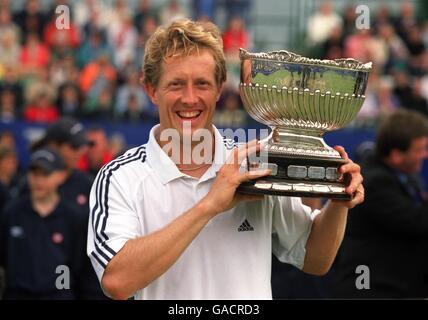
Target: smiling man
165	228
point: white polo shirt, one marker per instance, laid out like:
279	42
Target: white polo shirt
142	191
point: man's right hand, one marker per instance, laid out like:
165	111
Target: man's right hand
223	195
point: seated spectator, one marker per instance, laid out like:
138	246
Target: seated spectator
61	69
321	23
8	106
133	88
31	19
10	81
98	70
40	108
9	40
99	107
34	55
235	37
57	38
360	46
232	114
144	12
122	38
172	11
7	139
92	47
21	235
69	100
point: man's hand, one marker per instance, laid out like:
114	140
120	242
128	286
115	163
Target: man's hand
355	187
223	195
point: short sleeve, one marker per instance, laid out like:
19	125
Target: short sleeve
292	223
113	217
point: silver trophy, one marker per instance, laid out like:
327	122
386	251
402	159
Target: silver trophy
300	99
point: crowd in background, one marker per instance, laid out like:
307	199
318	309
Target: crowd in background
396	43
91	70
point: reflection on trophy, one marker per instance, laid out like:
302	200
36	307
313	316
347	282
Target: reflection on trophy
301	99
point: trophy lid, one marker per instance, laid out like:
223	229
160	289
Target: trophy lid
291	57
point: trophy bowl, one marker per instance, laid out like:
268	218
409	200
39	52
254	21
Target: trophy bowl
301	99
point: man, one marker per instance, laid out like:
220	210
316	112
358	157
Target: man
40	232
98	153
388	233
68	138
164	226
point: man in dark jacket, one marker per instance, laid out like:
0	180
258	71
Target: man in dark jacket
387	235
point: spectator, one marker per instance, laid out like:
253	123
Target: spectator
61	40
40	108
144	12
406	20
240	8
8	106
205	9
7	139
321	23
232	114
41	222
31	19
333	47
9	39
360	46
8	175
131	88
69	100
122	37
171	12
34	55
11	82
92	47
99	107
96	74
98	153
235	37
393	221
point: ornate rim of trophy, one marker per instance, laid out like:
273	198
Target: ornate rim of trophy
301	98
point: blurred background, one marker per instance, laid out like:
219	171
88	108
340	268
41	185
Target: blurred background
91	70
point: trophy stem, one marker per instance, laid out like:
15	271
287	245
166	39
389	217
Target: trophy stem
307	142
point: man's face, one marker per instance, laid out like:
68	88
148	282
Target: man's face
412	160
70	155
187	92
42	184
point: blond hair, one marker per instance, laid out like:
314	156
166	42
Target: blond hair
182	38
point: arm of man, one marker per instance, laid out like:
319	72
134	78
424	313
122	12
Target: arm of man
328	227
143	259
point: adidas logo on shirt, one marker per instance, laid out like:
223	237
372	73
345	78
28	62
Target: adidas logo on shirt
245	226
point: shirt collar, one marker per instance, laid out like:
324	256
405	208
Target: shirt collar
166	169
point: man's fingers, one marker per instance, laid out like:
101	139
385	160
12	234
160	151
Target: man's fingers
250	175
341	151
349	167
356	181
241	153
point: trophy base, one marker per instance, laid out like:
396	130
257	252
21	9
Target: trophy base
299	177
295	189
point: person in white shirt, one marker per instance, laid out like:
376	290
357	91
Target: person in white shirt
162	227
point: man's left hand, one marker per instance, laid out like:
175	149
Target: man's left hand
355	187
